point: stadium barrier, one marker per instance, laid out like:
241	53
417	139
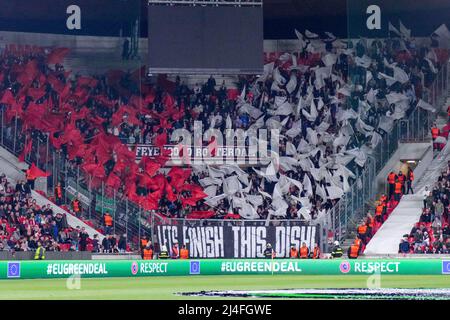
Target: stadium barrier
142	268
29	255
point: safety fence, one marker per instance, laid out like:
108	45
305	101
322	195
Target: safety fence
144	268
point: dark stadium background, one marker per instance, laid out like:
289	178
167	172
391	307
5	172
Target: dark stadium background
107	17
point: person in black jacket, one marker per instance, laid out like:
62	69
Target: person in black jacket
123	243
83	236
106	244
404	246
269	252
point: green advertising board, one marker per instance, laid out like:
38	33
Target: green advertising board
142	268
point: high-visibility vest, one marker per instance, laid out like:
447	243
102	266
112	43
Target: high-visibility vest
58	192
411	176
434	132
40	254
401	178
304	252
398	187
184	254
391	178
379	210
76	205
357	242
316	253
362	229
148	254
108	220
370	223
383	199
294	253
354	249
144	243
163	255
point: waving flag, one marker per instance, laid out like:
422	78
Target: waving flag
57	55
35	172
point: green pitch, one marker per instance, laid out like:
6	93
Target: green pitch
167	287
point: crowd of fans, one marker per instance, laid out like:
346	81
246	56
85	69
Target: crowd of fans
341	116
432	233
24	225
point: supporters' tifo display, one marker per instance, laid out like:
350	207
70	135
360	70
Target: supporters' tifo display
186	149
326	107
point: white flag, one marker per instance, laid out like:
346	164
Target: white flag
394	29
311	35
442	32
426	106
404	31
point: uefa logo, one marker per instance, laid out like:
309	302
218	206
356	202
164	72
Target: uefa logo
134	268
13	269
345	267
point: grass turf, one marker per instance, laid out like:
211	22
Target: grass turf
167	287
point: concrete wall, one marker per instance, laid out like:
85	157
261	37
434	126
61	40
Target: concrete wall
29	255
116	256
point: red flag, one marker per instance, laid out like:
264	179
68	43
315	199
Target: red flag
8	98
35	172
169	193
232	94
36	93
232	216
113	181
201	215
161	140
150	166
57	55
178	177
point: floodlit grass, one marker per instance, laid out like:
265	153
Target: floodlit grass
167	287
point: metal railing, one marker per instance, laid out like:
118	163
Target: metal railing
352	206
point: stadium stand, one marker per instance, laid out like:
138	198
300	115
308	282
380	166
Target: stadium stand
24	223
346	99
432	233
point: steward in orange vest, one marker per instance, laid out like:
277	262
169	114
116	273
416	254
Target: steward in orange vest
316	252
409	182
397	191
435	132
184	253
353	251
391	181
362	232
76	206
294	253
58	194
402	179
108	220
358	243
148	253
380	211
304	251
144	243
